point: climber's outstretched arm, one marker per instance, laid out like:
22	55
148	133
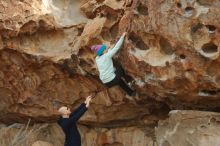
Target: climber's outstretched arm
113	51
75	115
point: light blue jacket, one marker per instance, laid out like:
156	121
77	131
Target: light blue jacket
105	63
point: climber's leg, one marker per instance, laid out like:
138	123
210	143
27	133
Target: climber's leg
120	72
125	87
112	83
118	81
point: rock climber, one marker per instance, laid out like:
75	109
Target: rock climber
109	73
68	121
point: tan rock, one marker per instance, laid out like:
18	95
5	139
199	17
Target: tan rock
55	44
185	128
1	43
132	136
35	135
88	7
52	135
92	31
41	143
114	4
65	13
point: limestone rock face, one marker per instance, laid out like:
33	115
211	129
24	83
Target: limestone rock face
35	87
31	135
182	128
185	128
52	135
171	52
41	143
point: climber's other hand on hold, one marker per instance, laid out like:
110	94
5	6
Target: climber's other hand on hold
124	34
88	100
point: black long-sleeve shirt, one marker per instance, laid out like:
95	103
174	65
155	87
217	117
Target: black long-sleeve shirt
72	135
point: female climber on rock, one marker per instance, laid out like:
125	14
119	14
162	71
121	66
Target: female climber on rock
111	74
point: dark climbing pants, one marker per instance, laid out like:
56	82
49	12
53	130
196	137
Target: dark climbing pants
120	73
